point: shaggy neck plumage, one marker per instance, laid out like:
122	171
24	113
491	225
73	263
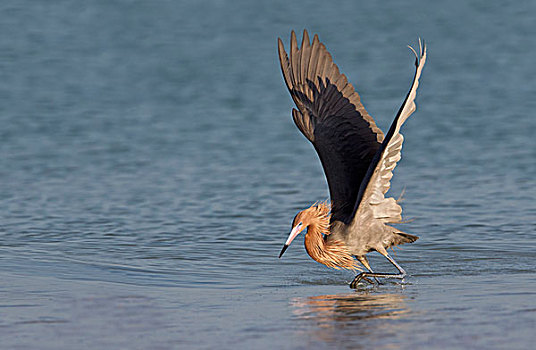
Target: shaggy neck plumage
333	254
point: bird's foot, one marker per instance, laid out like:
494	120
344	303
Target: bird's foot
358	278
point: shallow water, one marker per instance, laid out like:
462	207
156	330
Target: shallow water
150	171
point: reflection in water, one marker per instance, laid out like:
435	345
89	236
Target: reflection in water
353	320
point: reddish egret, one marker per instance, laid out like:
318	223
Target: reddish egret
358	160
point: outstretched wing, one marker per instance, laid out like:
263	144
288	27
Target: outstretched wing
372	192
331	116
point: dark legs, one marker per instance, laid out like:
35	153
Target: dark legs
364	275
364	261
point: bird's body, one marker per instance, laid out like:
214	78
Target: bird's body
358	160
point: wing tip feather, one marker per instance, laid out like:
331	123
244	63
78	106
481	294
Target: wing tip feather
305	39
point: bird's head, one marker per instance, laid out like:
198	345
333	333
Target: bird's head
303	219
300	222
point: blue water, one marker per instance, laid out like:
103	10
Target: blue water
150	170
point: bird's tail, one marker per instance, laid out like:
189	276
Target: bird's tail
402	237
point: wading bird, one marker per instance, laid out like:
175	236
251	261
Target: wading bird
358	161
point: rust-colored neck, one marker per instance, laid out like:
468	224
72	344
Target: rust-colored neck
333	254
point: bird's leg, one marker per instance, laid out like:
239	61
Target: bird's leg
363	275
364	261
402	273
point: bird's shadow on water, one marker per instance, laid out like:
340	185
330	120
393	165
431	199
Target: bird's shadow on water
359	318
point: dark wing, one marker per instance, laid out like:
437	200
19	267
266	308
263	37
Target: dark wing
331	116
371	199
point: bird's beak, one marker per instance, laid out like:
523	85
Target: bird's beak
295	232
